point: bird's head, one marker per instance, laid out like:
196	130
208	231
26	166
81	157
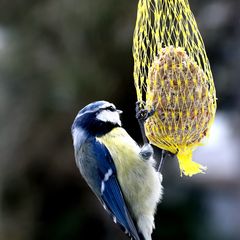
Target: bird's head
97	118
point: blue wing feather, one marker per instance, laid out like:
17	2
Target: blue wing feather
112	196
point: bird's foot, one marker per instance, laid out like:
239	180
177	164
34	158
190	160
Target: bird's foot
146	151
142	114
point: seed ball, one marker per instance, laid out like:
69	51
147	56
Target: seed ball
179	91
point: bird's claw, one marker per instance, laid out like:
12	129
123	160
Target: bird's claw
142	114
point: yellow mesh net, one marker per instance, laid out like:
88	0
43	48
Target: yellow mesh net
173	75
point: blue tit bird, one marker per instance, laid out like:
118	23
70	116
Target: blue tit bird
120	173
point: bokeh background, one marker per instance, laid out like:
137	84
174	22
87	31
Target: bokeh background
58	55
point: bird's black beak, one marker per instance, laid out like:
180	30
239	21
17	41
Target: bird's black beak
119	111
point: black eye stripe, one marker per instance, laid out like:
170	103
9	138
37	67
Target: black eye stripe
111	108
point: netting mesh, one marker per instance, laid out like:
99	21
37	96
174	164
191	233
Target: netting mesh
173	75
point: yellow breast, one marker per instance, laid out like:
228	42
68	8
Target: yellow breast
137	177
123	149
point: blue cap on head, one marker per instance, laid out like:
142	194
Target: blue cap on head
91	107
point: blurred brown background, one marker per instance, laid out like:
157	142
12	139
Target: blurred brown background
55	57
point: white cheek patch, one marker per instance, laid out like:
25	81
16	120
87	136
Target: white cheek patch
109	116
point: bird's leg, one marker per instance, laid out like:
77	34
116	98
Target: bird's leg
142	115
164	155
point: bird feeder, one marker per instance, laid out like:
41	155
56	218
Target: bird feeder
172	75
